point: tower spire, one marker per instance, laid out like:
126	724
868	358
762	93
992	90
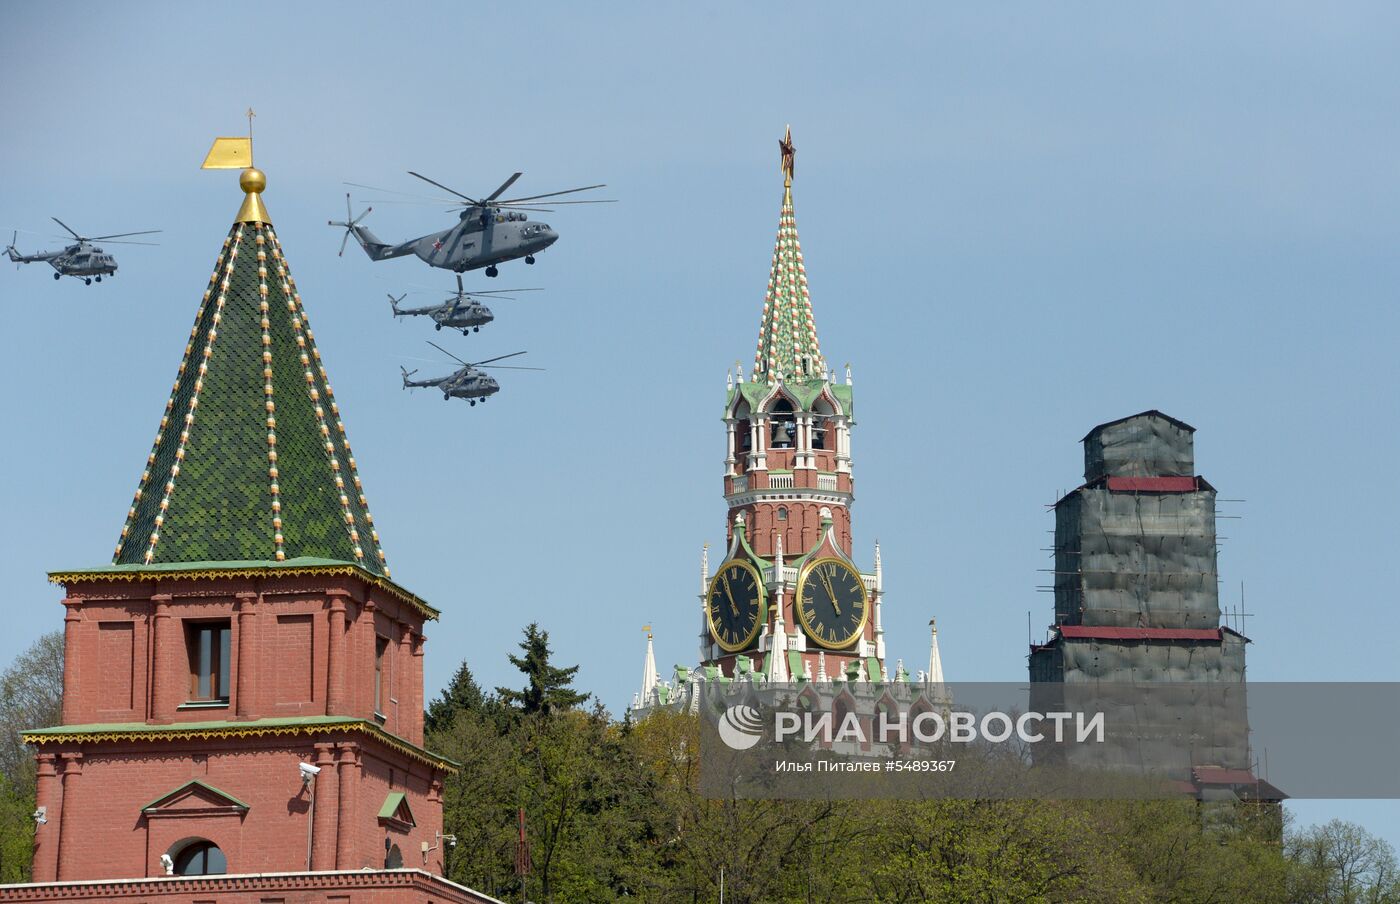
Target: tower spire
648	670
251	462
787	337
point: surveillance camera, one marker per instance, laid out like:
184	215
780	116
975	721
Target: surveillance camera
308	771
41	815
451	840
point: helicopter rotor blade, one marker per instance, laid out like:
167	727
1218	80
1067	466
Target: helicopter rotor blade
121	235
557	203
447	353
552	194
390	191
489	360
120	242
66	227
495	293
460	290
506	367
504	185
444	188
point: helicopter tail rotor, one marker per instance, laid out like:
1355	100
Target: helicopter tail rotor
406	374
394	303
349	223
11	251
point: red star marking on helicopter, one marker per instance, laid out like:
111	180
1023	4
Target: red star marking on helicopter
437	246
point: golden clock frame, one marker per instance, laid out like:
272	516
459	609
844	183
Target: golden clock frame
762	605
812	635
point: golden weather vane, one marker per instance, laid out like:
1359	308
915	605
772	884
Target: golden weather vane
788	152
237	153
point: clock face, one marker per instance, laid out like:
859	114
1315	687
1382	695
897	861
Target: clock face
735	605
832	602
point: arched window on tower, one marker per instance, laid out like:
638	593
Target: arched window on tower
743	430
780	417
200	857
823	431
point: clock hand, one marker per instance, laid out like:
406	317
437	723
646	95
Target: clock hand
730	594
831	594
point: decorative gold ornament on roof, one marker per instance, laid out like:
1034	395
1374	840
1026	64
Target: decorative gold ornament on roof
237	153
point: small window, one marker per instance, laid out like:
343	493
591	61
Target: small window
381	646
782	513
208	644
203	858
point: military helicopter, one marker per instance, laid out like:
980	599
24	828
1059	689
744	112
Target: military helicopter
468	382
83	261
488	232
463	312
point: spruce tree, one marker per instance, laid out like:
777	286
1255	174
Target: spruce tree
462	694
548	687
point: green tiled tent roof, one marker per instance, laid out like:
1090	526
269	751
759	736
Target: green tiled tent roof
251	460
787	339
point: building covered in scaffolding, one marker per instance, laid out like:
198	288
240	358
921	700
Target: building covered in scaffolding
1137	599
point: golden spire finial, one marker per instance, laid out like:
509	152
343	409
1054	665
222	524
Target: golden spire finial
237	153
788	152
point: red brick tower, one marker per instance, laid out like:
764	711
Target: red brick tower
804	610
243	685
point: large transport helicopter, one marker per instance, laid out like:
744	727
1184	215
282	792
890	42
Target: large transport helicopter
463	312
488	232
82	260
467	382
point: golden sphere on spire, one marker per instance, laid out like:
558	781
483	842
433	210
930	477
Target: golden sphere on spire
252	180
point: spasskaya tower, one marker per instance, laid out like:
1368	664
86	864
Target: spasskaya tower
788	602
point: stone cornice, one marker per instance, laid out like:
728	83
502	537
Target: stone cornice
315	725
172	886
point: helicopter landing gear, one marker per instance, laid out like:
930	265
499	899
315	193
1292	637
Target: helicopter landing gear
473	402
492	272
87	281
475	329
58	276
529	258
437	326
446	397
99	279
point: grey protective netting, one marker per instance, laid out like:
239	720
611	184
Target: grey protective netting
1148	445
1142	560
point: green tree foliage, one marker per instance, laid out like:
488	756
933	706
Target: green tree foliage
547	687
613	813
462	694
31	696
1341	863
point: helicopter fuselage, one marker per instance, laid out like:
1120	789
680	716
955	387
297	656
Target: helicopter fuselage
81	260
476	241
471	244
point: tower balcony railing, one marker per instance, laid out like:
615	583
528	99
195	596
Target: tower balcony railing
740	483
780	481
826	482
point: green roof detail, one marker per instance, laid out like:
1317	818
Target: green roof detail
282	725
796	670
192	783
197	570
395	803
251	461
787	340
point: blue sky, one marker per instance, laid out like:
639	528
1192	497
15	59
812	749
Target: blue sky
1017	223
